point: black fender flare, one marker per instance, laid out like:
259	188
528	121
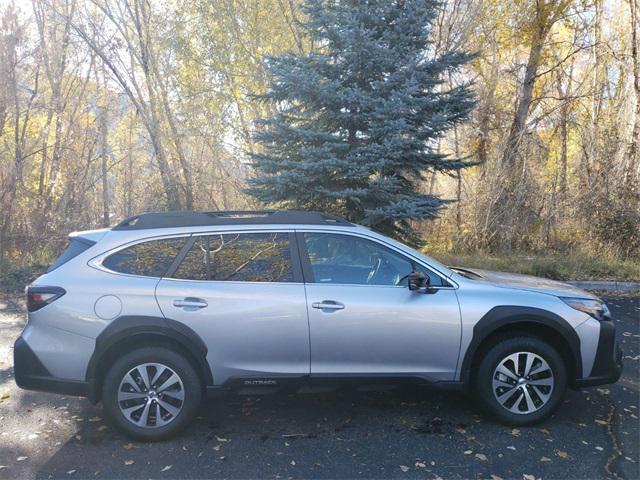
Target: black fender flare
501	316
128	326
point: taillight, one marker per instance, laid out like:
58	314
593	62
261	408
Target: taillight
38	297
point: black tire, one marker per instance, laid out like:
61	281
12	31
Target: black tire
191	390
484	386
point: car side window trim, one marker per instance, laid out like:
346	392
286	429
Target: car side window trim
307	270
178	260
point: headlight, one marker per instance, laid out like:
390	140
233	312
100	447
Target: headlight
596	308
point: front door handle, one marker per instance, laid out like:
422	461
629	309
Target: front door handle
190	303
328	305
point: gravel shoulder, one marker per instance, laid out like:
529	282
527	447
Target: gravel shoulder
400	433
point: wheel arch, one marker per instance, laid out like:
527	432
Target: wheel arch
504	321
129	332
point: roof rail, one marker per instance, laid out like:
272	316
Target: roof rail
230	217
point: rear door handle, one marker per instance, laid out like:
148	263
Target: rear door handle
190	303
328	305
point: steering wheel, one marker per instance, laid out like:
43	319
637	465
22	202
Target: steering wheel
374	271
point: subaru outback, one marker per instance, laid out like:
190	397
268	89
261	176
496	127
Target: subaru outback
154	314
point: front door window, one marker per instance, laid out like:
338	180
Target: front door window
351	260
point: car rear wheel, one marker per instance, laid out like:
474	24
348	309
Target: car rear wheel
151	393
521	380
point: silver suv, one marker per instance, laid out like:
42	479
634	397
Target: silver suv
153	314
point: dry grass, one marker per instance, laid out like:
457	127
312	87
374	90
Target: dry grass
558	267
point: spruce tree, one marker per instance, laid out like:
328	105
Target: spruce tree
357	119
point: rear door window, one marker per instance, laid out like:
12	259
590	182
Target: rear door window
239	257
149	259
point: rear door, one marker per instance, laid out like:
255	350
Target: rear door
243	294
364	320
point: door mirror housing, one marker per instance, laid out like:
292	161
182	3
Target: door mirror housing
419	282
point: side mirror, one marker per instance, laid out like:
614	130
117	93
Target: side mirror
419	282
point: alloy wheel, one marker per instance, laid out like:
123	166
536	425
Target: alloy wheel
151	395
523	382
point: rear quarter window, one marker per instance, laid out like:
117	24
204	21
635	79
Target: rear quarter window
76	246
149	259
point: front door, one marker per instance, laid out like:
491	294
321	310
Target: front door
364	320
242	293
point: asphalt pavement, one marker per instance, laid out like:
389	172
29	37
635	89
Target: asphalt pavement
400	433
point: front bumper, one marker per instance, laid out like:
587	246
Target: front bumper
607	366
31	374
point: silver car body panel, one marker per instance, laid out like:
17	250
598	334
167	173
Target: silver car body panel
251	329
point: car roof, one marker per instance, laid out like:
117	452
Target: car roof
232	217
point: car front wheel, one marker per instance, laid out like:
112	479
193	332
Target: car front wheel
151	393
521	380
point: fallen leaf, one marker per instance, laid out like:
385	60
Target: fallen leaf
562	454
129	446
601	422
71	472
495	477
222	439
168	467
511	447
544	430
216	447
3	467
468	452
515	432
404	468
129	462
420	465
21	459
526	476
481	456
545	459
5	395
95	419
293	463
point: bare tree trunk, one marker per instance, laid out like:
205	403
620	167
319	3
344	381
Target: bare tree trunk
517	130
563	95
103	146
631	174
177	142
129	170
456	146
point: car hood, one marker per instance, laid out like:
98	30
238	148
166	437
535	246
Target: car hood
527	282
